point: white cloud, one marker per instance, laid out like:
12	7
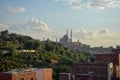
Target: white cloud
82	31
104	31
34	27
38	25
100	4
16	10
85	34
101	34
3	27
103	37
75	7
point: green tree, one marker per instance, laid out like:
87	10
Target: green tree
36	44
29	44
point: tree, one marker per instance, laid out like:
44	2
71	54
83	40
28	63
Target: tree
29	44
13	51
5	35
36	44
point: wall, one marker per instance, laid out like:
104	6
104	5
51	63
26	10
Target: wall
27	75
5	76
64	76
113	57
95	71
43	74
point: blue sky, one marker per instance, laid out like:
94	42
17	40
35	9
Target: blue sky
94	22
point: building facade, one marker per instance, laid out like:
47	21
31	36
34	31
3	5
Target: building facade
27	74
18	75
91	71
112	58
64	76
43	74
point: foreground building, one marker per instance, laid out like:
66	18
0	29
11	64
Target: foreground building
43	74
106	67
64	76
92	71
27	74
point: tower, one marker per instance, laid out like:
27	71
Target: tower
71	35
67	32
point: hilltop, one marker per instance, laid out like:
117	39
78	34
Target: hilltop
46	54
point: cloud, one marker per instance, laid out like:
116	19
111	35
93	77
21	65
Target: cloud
104	31
38	25
99	4
16	10
34	27
85	34
3	27
103	37
75	7
101	34
82	31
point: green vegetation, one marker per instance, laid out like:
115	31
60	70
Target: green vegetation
47	54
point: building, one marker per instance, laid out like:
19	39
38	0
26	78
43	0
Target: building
89	71
92	71
114	59
64	76
43	74
27	74
106	67
22	74
67	41
65	38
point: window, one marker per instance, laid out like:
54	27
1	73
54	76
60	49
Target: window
31	79
90	73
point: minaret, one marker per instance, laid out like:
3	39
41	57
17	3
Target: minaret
71	35
67	32
43	39
56	40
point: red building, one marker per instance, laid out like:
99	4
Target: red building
112	58
43	74
27	74
91	71
18	75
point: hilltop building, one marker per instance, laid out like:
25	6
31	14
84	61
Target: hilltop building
67	41
66	38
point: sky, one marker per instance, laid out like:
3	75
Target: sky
93	22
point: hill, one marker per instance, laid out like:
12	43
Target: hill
47	54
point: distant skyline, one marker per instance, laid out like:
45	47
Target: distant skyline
93	22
